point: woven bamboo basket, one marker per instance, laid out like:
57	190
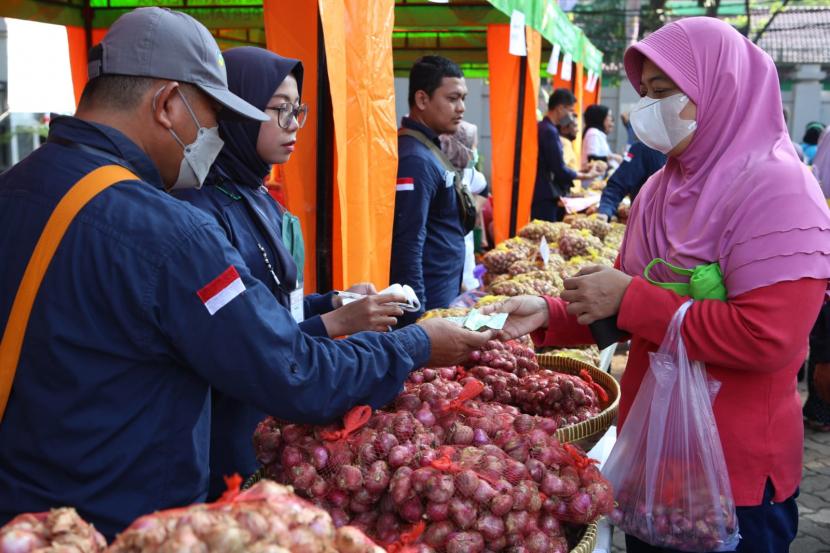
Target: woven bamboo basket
595	425
254	478
586	543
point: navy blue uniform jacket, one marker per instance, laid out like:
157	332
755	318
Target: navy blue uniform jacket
428	240
251	219
110	407
639	163
553	178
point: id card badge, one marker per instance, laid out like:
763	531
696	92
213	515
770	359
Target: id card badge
297	305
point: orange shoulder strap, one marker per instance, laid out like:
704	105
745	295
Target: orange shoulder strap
68	207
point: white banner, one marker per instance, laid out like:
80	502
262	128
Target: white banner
567	67
592	81
518	40
554	59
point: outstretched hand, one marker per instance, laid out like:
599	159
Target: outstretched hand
362	288
525	315
452	344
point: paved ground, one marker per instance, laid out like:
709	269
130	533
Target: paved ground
814	501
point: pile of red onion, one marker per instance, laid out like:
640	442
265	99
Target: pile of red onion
680	516
512	376
453	464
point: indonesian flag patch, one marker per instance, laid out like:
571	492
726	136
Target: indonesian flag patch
221	290
628	156
405	184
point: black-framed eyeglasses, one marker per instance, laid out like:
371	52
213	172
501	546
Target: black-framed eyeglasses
287	112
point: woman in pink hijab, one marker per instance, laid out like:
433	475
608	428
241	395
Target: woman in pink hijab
734	193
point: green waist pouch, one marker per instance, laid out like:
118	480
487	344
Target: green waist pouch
705	281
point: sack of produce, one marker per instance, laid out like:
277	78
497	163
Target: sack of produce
343	468
267	518
53	531
392	473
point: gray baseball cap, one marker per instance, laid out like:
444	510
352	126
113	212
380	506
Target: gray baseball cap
163	44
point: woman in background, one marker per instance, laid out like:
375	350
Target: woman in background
461	149
599	122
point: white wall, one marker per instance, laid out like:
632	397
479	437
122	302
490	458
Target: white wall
797	132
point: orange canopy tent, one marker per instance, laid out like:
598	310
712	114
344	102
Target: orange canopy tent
340	181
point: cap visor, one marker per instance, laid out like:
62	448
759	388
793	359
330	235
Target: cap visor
235	107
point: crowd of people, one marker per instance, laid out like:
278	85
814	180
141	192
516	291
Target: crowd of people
173	316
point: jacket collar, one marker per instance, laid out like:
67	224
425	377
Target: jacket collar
109	140
409	123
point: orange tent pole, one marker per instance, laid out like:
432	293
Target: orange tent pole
579	92
78	56
332	19
358	40
505	72
296	37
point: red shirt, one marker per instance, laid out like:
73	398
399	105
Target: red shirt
753	344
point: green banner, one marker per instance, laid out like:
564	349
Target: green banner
592	57
546	17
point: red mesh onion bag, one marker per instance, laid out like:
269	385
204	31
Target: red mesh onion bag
475	498
344	468
257	520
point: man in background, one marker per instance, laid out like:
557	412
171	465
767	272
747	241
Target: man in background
553	176
428	238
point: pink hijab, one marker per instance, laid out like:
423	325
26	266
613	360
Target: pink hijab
738	194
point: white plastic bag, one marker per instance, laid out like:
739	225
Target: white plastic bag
667	467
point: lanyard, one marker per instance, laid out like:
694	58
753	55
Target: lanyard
267	229
268	265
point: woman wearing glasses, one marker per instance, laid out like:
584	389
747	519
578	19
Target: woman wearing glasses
267	236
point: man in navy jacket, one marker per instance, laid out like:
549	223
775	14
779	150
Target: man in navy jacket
146	305
553	177
428	238
639	163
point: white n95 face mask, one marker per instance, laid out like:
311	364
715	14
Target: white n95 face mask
198	158
198	155
657	123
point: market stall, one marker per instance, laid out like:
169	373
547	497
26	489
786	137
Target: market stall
342	168
485	451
